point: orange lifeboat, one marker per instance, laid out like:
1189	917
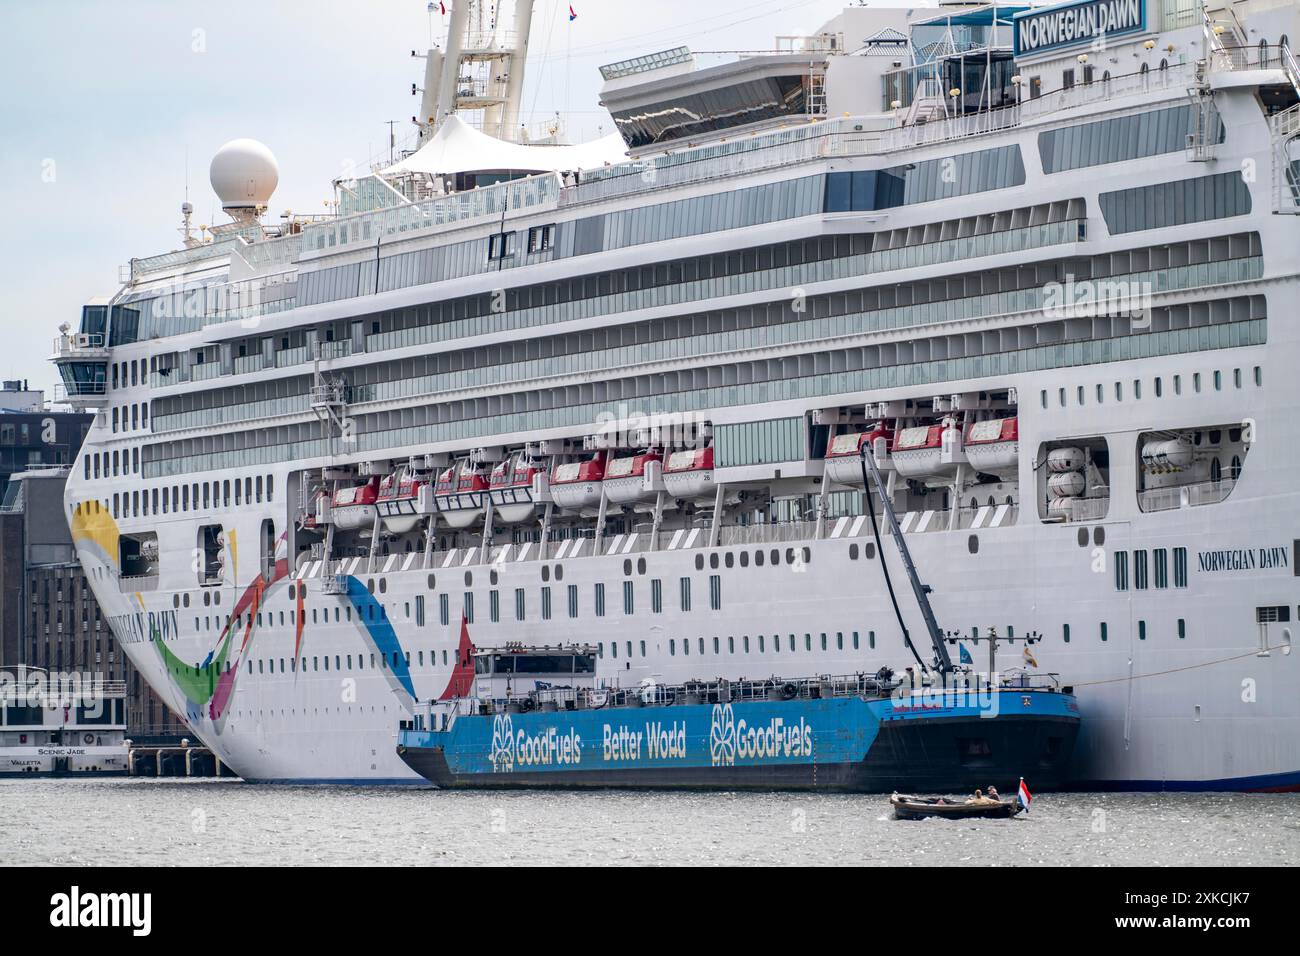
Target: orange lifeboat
354	506
993	447
842	457
576	484
635	478
512	489
399	501
460	494
689	474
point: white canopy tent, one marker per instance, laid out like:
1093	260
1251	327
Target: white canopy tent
459	148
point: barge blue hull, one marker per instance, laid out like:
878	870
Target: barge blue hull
918	744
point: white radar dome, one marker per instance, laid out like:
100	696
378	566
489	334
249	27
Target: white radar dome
244	174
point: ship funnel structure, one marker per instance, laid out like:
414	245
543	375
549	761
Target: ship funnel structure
482	68
244	174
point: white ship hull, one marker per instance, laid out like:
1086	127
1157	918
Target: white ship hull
277	667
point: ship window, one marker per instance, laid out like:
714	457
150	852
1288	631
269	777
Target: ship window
1137	388
762	644
1182	629
1121	570
627	597
1103	631
443	609
1178	385
573	600
546	604
1218	380
1065	632
494	606
823	640
731	645
656	596
853	552
1042	397
716	647
1236	378
1080	395
1180	567
672	646
1060	397
1140	570
745	644
600	600
686	594
1159	387
1196	382
699	562
520	604
1160	558
1119	391
1259	376
871	639
1142	630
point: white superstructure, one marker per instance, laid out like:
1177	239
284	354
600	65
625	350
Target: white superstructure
1039	261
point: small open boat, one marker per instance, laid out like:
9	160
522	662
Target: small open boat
908	807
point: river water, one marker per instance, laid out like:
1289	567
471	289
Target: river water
219	822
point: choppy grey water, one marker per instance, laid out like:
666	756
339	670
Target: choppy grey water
213	822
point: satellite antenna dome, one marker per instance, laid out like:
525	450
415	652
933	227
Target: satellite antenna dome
244	174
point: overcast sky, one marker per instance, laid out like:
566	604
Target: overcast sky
110	106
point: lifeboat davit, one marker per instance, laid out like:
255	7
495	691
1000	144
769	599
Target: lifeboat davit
460	495
689	474
576	484
354	506
993	447
635	478
512	491
403	500
311	515
918	452
842	458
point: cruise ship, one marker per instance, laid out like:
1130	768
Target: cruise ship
1036	261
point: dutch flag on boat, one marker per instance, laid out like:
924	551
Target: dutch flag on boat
1023	795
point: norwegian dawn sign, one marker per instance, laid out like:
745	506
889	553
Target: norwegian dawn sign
1042	30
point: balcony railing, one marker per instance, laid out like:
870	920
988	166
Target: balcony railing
1186	496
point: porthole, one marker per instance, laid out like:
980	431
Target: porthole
469	578
853	552
758	559
744	559
546	572
640	565
627	567
207	596
559	572
789	555
433	581
869	550
1099	536
699	562
730	560
370	585
1083	537
973	544
775	556
492	577
185	599
383	585
713	560
176	600
807	555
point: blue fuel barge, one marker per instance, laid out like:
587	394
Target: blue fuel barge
519	727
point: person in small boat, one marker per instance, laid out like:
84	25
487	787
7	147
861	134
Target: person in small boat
994	795
980	798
